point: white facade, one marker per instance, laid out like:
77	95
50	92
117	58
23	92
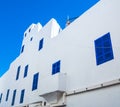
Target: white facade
77	66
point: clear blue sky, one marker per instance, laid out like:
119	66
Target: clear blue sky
17	15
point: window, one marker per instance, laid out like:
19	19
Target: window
25	34
29	29
103	49
22	49
56	67
41	44
31	38
35	81
22	96
1	97
26	71
7	95
18	72
13	98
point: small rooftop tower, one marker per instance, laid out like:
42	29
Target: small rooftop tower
70	20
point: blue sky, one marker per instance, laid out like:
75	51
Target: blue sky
17	15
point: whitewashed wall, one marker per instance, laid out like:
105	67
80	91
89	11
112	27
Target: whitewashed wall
74	46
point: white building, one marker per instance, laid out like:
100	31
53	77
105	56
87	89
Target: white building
75	67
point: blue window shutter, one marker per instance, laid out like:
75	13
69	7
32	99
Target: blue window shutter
41	44
1	97
22	48
22	96
7	95
103	49
26	70
18	72
56	67
13	98
35	81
